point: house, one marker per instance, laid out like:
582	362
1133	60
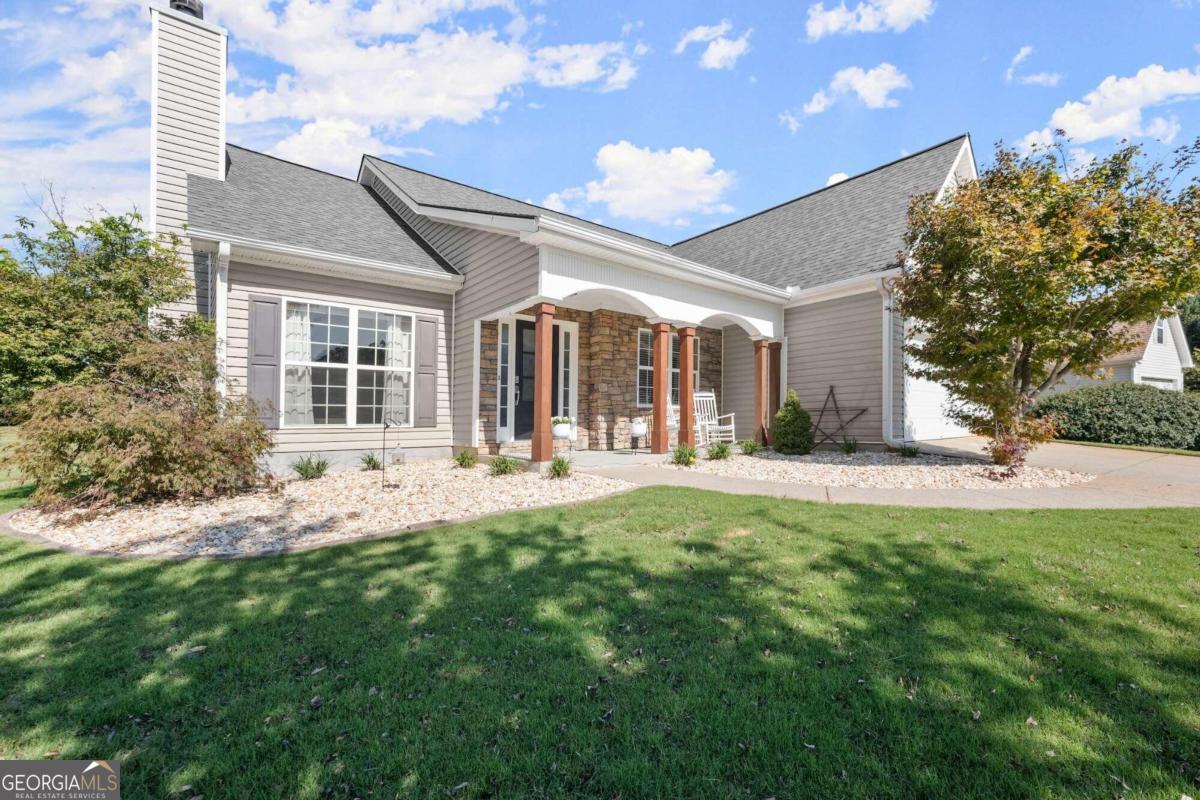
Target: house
1158	357
466	319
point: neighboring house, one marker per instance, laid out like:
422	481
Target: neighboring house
466	319
1158	358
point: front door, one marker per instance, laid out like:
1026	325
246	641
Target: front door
523	378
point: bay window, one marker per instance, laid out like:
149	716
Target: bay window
328	382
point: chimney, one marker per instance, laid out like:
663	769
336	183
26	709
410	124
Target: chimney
193	7
187	123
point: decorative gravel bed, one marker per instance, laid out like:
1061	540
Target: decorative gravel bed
881	471
338	507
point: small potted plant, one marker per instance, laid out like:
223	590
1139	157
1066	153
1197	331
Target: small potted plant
561	427
637	427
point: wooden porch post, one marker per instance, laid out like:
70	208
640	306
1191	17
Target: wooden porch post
543	378
660	436
760	389
687	351
774	351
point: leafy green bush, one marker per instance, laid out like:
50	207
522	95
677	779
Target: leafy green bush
793	427
849	445
151	426
684	455
560	467
76	299
310	467
718	451
1191	375
504	465
371	462
1126	413
466	458
749	447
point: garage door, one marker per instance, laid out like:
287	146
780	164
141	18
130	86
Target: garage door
925	411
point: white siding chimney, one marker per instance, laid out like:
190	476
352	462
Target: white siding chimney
187	127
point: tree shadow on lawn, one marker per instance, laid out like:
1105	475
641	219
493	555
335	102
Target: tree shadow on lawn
640	646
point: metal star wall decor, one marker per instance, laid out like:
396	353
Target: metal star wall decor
827	436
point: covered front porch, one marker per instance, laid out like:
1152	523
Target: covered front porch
599	359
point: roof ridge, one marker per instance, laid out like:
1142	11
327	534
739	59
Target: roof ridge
290	163
806	195
506	197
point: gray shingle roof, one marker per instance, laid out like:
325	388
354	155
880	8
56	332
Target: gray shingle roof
430	190
849	229
277	201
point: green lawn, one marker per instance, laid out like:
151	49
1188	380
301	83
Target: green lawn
664	643
12	492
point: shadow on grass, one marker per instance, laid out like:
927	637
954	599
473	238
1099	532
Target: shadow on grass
664	643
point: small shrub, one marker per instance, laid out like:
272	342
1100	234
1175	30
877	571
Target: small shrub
466	459
793	427
310	467
1126	413
151	427
560	467
371	462
718	451
849	445
909	451
749	447
684	455
504	465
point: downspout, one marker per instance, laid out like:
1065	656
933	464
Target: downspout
885	292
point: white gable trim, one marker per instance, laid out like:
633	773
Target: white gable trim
1181	342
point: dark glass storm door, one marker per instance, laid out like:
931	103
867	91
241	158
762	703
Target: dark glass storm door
523	378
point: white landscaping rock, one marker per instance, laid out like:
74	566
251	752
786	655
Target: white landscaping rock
338	507
881	471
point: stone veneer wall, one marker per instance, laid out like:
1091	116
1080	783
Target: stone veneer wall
606	357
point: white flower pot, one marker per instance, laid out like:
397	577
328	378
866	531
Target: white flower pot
638	430
562	430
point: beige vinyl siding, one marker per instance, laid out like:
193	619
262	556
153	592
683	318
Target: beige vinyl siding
737	398
498	272
248	279
187	94
840	343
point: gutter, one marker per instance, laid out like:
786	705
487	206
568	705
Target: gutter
885	291
447	281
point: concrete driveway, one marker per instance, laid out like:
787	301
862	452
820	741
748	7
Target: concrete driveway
1124	479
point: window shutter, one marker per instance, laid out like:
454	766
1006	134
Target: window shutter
262	368
426	373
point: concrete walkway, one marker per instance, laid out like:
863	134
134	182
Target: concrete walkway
1124	479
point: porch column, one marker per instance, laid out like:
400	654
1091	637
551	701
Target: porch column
660	437
687	351
543	380
774	353
760	389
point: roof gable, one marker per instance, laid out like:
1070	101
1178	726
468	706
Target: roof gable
430	190
849	229
271	200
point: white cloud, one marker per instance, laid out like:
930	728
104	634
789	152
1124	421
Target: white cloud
836	177
790	121
336	145
721	52
873	87
1034	79
1115	109
665	187
1022	54
870	16
357	75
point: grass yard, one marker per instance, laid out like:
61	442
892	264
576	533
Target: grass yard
663	643
12	492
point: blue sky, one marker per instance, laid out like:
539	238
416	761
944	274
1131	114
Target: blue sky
663	118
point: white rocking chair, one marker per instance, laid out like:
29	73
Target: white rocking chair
711	426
